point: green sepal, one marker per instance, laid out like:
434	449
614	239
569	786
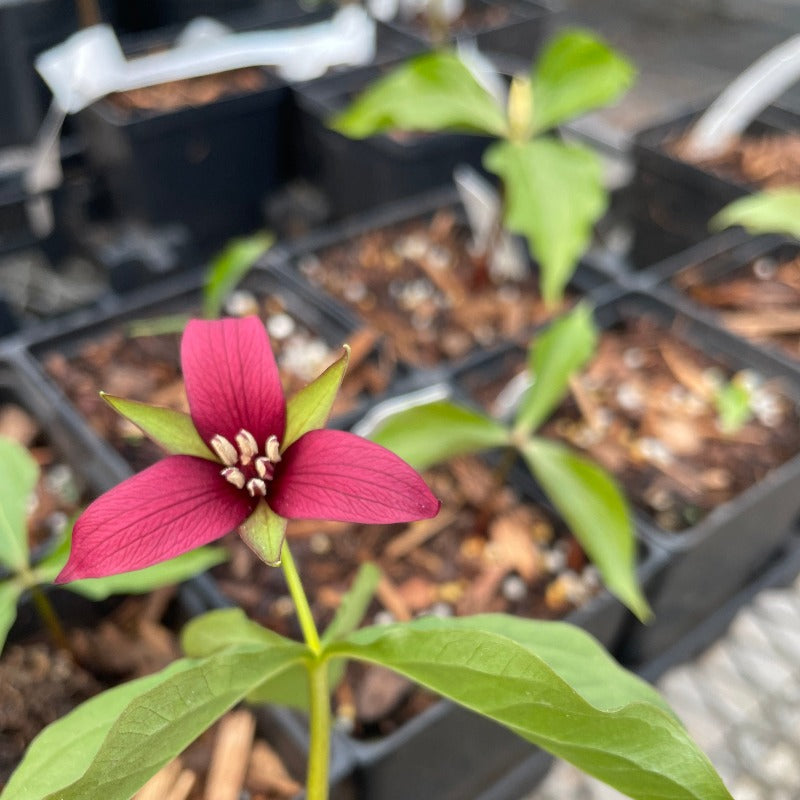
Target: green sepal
553	357
553	196
425	435
263	532
19	473
595	509
173	430
310	407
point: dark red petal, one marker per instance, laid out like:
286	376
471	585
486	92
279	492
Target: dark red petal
174	506
339	476
232	379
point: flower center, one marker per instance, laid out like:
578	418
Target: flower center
245	467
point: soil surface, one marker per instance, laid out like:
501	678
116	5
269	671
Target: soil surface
645	410
760	301
421	284
487	551
476	18
147	368
768	161
190	92
59	490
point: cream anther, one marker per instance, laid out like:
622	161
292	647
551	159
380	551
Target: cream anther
273	449
224	450
264	467
234	476
256	487
246	443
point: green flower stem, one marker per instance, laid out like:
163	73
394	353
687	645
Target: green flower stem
320	724
48	615
307	625
319	691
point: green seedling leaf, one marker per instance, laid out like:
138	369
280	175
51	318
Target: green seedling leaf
554	194
53	758
18	476
595	510
638	748
428	434
229	267
575	73
263	532
173	430
310	408
773	211
140	581
733	404
217	631
10	590
432	92
354	604
554	356
157	725
157	326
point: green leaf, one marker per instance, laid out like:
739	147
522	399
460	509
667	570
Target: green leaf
18	476
263	532
229	267
637	748
53	760
310	407
156	726
595	510
173	430
174	571
354	604
157	326
733	403
434	432
433	92
219	630
554	356
773	211
10	590
553	196
575	73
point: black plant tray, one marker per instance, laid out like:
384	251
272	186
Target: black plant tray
590	279
672	201
520	32
181	295
357	175
711	261
208	167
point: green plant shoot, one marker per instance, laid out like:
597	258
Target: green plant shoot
552	191
773	211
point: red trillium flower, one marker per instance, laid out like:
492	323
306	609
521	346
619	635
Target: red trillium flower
249	477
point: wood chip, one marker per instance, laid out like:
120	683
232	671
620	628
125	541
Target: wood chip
18	425
758	324
266	772
418	533
392	600
230	756
512	546
686	372
182	787
159	786
379	692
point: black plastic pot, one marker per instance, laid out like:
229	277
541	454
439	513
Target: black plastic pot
508	27
711	561
27	27
208	167
285	260
711	262
671	200
358	175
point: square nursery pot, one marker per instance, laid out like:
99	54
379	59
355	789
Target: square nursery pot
442	750
514	28
744	286
205	153
356	175
709	558
407	273
672	200
88	353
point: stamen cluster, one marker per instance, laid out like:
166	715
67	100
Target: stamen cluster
245	467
